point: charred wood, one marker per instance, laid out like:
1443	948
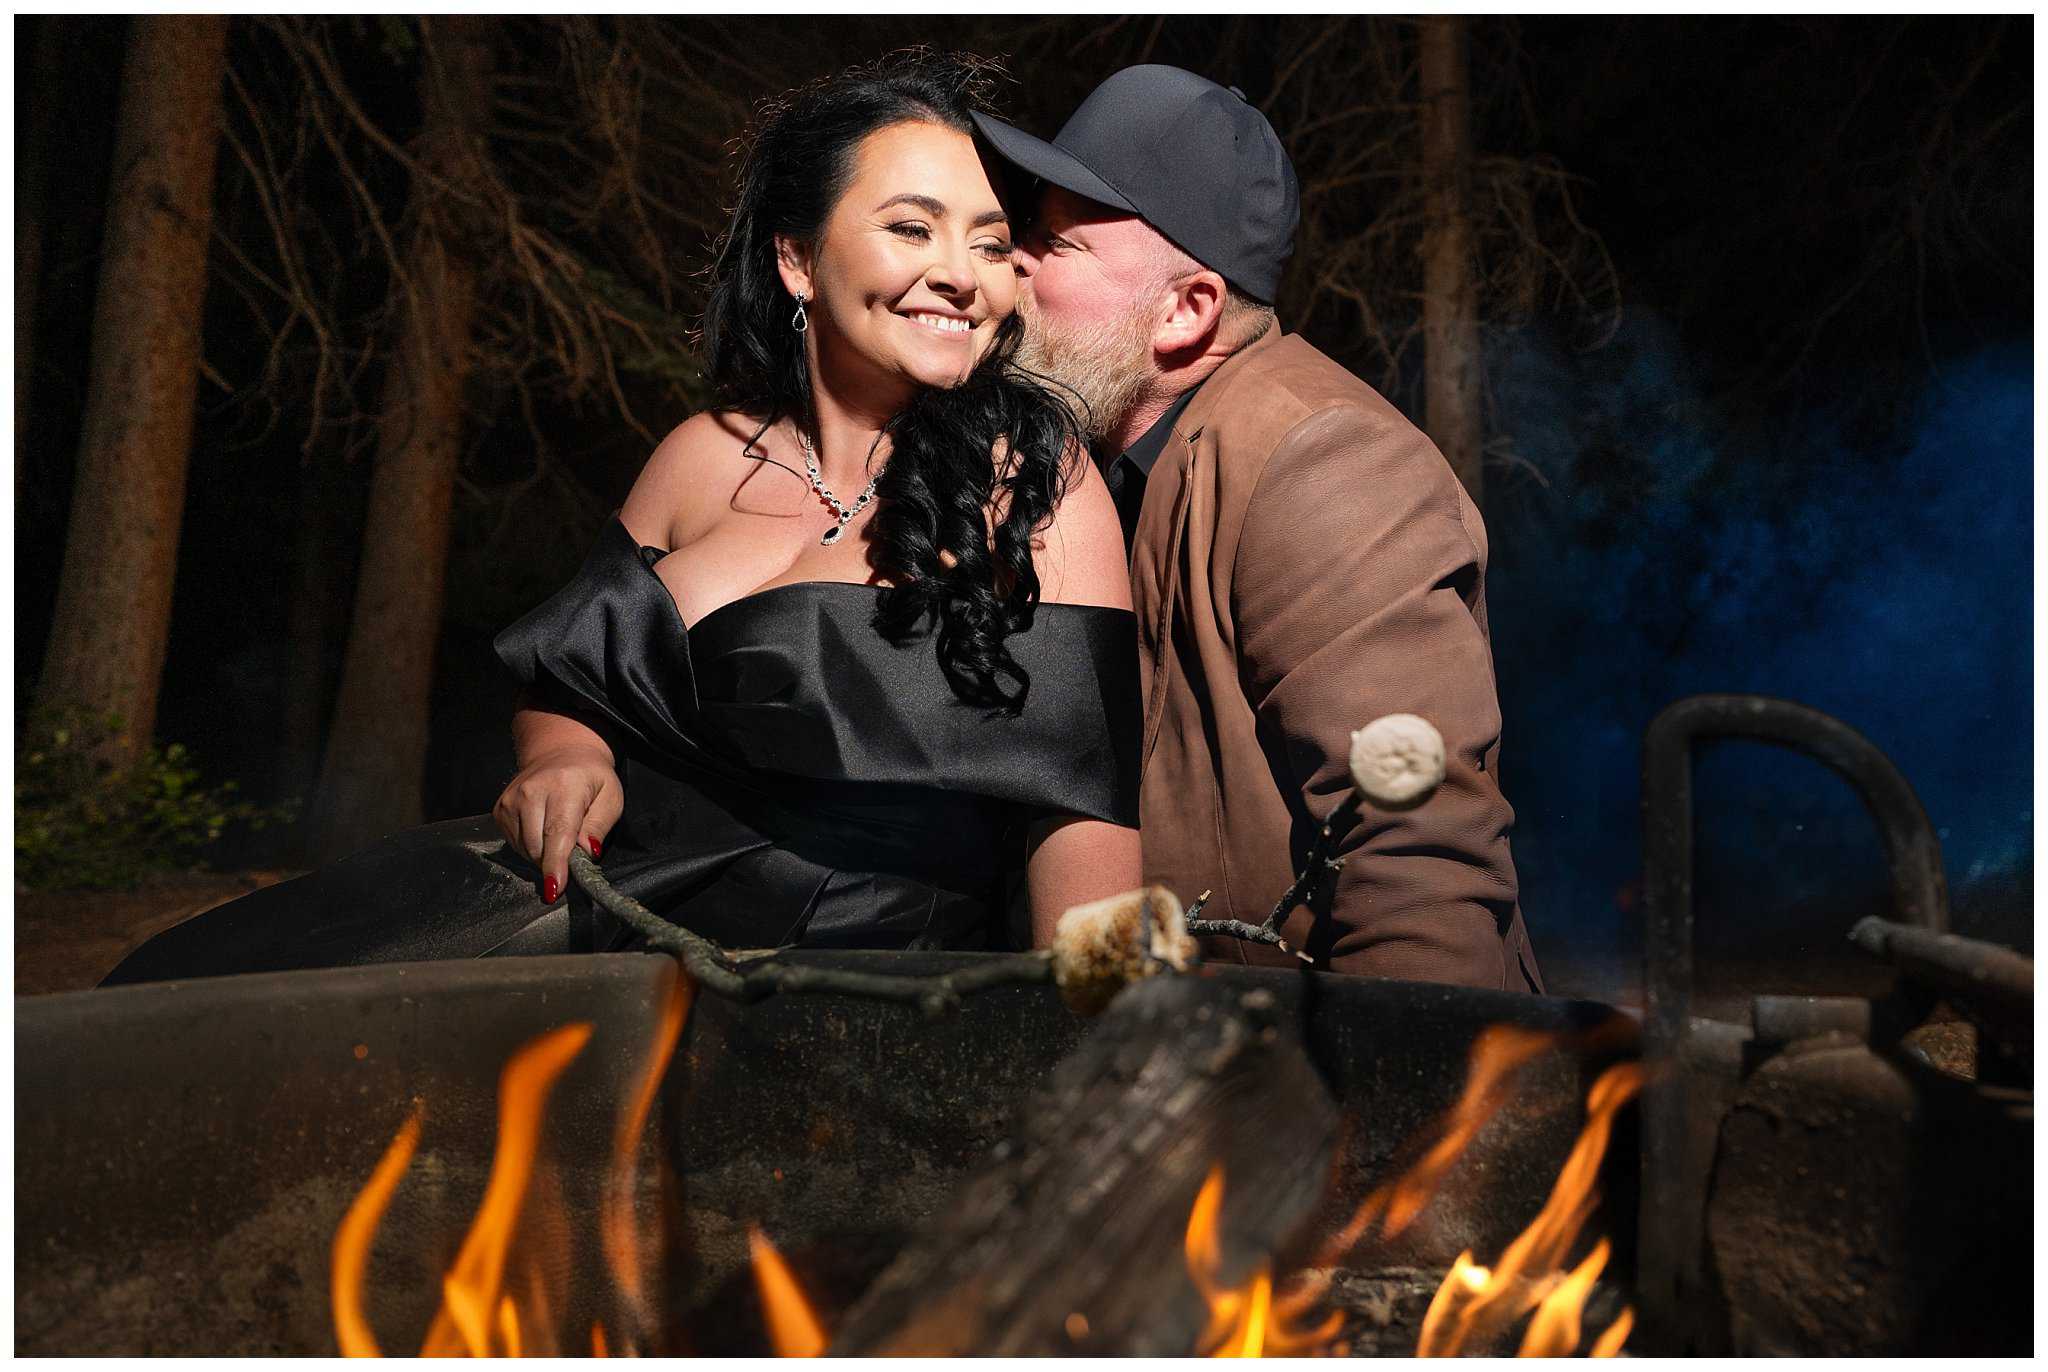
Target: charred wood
1073	1238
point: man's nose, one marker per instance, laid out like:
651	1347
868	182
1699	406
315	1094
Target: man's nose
1025	258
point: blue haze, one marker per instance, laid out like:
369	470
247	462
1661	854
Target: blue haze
1889	585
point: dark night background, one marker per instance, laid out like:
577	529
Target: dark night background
1796	461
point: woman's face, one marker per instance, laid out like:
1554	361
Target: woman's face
911	274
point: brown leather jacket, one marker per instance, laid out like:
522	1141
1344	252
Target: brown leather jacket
1304	563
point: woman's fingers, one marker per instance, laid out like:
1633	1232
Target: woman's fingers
546	813
533	809
507	819
604	813
554	856
579	815
519	818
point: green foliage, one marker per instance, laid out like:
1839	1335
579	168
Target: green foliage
81	821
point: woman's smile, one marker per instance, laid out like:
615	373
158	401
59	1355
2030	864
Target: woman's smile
934	322
912	273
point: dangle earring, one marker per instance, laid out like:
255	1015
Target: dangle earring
800	321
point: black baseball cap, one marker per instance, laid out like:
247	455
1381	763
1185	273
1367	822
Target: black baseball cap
1195	160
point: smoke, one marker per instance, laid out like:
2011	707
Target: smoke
1886	581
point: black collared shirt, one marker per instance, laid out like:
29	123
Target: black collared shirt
1127	473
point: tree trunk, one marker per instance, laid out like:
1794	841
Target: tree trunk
376	750
1450	315
1074	1238
113	613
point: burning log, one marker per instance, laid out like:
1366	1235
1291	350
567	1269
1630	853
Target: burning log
1477	1305
1077	1236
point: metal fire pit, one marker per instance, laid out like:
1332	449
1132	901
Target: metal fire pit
1810	1182
186	1150
1813	1183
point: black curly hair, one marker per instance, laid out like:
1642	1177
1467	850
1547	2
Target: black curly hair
995	451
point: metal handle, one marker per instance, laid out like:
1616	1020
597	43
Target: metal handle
1919	892
1677	1138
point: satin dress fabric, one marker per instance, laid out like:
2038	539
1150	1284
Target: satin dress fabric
792	778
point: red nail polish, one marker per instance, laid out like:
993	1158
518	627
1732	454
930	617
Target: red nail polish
596	848
550	890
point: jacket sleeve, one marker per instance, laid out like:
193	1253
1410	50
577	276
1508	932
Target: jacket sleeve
1358	591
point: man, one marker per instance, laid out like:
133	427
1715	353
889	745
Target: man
1303	561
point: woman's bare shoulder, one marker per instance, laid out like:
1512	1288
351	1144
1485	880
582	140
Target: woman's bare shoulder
689	473
1080	551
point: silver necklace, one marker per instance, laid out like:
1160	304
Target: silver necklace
818	484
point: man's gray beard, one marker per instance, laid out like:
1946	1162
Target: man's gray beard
1099	369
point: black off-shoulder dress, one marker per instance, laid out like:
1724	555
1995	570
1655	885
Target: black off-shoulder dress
793	779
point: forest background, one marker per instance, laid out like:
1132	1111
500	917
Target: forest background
337	339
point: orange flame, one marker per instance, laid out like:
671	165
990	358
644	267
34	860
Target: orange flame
1609	1344
1205	1256
508	1327
1554	1333
624	1248
1463	1284
476	1316
484	1309
1249	1339
792	1324
352	1243
470	1290
1476	1303
1244	1322
1497	1053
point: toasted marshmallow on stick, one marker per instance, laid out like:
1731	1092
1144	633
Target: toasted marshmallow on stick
1103	946
1397	761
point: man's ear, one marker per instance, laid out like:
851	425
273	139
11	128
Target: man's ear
1192	313
793	265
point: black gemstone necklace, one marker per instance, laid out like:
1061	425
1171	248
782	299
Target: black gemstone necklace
818	484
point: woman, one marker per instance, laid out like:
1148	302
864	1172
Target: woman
862	633
858	643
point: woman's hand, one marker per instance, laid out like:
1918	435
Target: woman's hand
560	797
